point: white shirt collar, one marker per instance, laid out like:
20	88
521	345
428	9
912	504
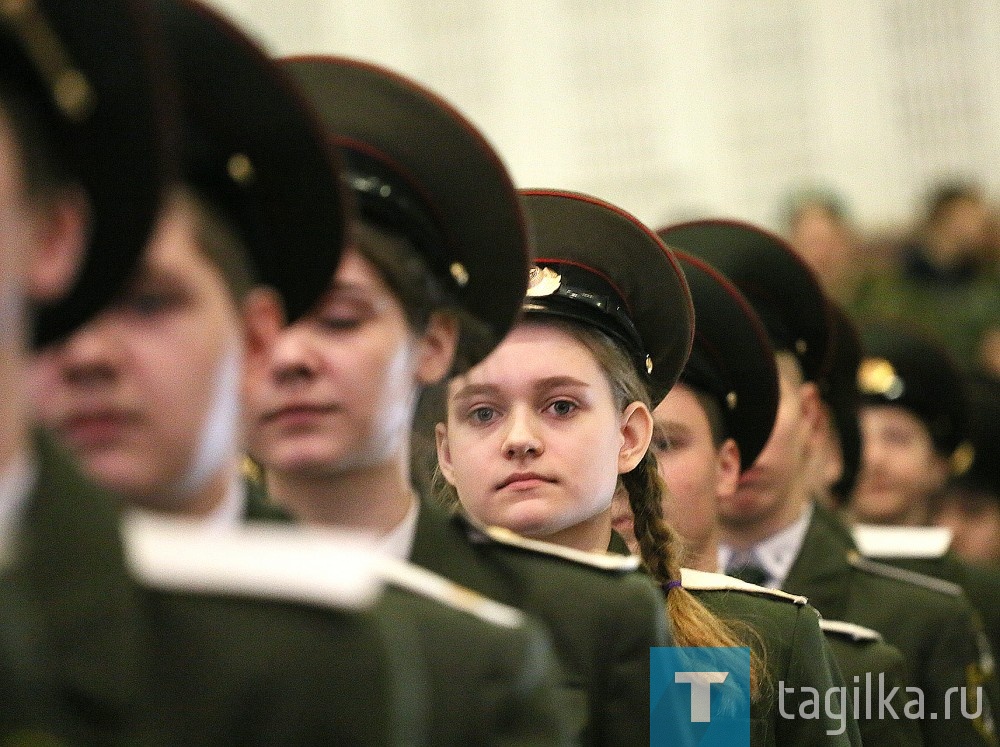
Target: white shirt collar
398	542
17	481
776	554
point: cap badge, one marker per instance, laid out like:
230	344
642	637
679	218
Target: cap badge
962	458
878	377
543	281
459	274
70	89
240	169
649	365
731	400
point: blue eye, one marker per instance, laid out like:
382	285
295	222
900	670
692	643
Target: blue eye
482	414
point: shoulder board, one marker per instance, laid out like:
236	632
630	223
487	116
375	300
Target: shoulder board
425	583
694	580
335	570
848	630
901	542
903	574
602	561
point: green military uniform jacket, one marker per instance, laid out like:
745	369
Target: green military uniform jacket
981	585
785	632
118	662
603	622
932	626
487	682
862	656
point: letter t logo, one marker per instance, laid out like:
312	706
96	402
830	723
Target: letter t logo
701	692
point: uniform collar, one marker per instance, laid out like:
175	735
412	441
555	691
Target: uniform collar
776	554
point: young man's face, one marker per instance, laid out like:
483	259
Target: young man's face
770	494
145	395
900	468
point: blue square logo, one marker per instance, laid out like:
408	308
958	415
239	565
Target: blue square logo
699	696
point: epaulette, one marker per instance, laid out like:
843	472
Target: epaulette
335	570
425	583
503	536
875	541
902	574
848	630
694	580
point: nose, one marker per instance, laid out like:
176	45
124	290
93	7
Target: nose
91	357
522	438
293	359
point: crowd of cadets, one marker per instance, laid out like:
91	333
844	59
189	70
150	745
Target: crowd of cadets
315	430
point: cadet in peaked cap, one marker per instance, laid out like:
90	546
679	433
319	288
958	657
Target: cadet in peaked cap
606	303
726	395
914	416
440	242
78	195
804	548
908	386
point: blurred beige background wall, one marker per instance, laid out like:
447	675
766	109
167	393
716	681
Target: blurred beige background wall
677	108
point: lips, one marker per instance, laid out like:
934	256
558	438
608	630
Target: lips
298	414
524	481
95	428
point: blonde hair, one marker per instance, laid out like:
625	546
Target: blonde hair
693	624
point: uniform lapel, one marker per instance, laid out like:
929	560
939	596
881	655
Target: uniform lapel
72	572
821	571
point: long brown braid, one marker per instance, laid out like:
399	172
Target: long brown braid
693	624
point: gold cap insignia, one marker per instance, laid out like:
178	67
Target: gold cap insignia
649	365
241	169
731	400
543	281
962	458
877	376
459	274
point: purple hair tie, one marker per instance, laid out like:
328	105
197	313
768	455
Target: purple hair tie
675	584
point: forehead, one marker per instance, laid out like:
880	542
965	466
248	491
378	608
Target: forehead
533	351
681	406
891	416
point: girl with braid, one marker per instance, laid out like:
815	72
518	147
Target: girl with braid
539	436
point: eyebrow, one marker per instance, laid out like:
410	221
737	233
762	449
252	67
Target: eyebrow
549	382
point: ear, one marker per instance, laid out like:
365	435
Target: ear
263	319
437	346
444	452
62	243
727	472
811	411
637	432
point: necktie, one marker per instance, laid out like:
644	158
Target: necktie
747	569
